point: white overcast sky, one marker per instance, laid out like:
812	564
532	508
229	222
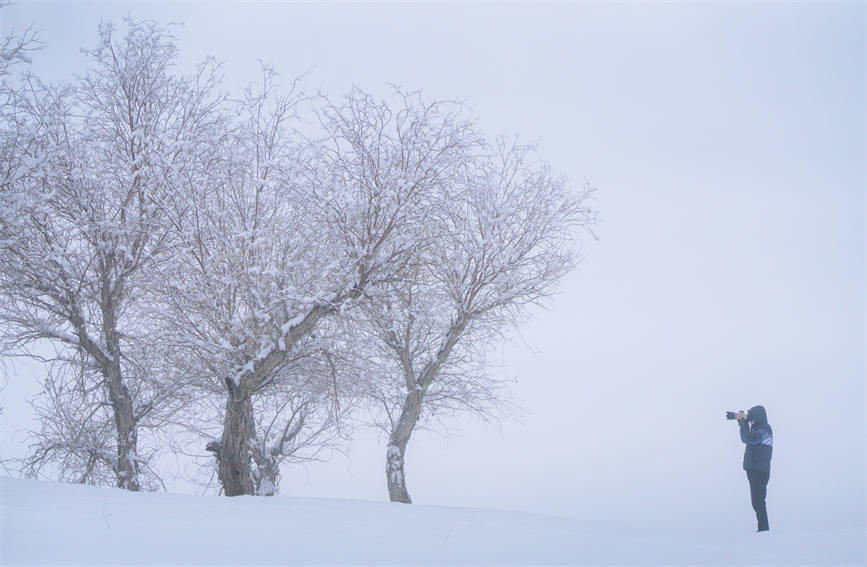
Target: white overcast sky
727	143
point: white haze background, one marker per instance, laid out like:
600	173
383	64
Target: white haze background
727	143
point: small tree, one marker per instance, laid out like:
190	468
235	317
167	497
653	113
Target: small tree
81	224
504	243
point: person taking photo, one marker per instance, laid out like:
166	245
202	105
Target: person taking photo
756	432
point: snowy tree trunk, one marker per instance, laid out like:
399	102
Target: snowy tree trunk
394	459
267	473
119	395
235	467
127	434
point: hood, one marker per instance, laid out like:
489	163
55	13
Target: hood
757	415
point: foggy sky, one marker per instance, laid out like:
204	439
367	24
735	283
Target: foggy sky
727	144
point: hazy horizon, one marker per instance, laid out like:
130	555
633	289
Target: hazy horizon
727	145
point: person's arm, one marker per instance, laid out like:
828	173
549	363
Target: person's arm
754	437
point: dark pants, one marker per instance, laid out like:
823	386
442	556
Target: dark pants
758	491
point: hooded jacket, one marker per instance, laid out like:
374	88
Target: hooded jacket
756	432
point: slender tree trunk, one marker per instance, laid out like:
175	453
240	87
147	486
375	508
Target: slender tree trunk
121	401
394	458
395	476
127	468
235	466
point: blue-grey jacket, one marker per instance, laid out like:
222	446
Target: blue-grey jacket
756	432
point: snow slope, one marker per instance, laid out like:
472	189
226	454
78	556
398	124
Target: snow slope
50	523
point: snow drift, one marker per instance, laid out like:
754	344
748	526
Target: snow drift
49	523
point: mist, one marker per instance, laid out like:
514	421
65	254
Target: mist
727	146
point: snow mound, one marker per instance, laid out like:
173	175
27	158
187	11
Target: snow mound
49	523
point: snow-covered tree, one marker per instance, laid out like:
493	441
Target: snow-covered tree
241	269
507	236
289	230
80	224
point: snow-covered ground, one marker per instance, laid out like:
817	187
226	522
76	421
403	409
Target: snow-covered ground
48	523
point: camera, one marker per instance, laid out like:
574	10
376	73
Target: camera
736	415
